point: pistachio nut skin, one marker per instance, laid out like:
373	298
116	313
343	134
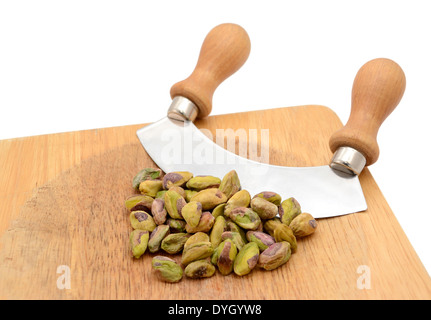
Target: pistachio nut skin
176	225
262	239
156	237
150	187
227	253
219	210
174	203
288	210
246	259
284	233
166	269
238	240
177	178
275	255
158	211
230	184
270	196
205	223
146	174
192	213
209	198
269	225
303	225
199	269
174	242
245	217
232	226
139	202
265	209
218	228
142	220
203	182
138	242
196	251
195	238
239	199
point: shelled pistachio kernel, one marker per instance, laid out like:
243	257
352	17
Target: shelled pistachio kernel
174	242
262	239
167	269
239	199
142	220
230	184
139	203
270	196
196	251
138	242
150	187
265	209
174	203
246	259
303	225
192	213
288	210
226	255
245	217
218	228
283	232
146	174
157	236
275	255
209	198
199	269
203	182
177	178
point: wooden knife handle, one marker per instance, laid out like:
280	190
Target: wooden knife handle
377	89
224	50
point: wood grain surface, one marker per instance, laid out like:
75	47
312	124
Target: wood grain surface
62	204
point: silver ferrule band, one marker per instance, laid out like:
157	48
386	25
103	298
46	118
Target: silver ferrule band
348	160
182	109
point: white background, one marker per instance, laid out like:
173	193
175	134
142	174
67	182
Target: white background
72	65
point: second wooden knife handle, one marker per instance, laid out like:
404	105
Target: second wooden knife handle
377	89
224	50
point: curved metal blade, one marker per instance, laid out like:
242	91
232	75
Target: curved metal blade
321	191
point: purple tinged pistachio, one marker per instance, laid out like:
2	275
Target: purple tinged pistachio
146	174
270	196
283	232
192	213
288	210
157	236
174	203
199	269
262	239
139	202
178	190
246	259
203	182
142	220
303	225
274	256
150	187
265	209
230	184
166	269
174	242
205	223
245	217
158	211
138	242
209	198
227	253
178	178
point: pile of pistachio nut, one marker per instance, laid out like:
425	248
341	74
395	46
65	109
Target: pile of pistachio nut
212	223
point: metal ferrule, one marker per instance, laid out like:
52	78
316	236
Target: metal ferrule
182	109
348	160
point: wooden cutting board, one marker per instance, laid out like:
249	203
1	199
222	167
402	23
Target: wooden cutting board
62	204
